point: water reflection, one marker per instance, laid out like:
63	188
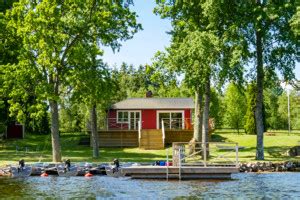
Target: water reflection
244	186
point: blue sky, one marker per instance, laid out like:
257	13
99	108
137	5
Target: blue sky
143	46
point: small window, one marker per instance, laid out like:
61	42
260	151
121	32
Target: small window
122	116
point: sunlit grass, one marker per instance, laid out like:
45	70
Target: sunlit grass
39	149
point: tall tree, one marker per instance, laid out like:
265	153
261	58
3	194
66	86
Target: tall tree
270	26
195	57
93	86
54	32
267	40
199	16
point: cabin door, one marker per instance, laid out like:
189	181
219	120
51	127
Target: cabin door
134	117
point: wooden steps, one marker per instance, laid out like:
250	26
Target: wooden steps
151	139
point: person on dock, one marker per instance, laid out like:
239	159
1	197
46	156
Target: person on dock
67	165
116	165
21	165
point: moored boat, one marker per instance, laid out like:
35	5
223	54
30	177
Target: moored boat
20	172
71	171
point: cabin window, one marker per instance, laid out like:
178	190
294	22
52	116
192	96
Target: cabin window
171	119
122	116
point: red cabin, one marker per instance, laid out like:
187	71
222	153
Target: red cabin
148	123
152	113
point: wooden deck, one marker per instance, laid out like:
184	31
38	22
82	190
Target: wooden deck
185	172
118	138
178	136
150	138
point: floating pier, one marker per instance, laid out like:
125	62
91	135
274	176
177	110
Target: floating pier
176	172
192	160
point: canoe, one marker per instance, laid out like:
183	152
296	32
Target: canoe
25	172
73	171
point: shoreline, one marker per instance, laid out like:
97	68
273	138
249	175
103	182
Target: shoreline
261	167
245	167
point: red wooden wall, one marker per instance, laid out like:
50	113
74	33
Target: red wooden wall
148	119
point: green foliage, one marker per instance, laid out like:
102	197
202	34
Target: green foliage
195	57
295	22
6	4
235	107
73	117
57	35
135	82
216	109
271	102
294	110
250	126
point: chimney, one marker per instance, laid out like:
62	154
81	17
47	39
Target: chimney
148	94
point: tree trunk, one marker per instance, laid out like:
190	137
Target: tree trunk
93	119
259	98
205	132
198	116
56	151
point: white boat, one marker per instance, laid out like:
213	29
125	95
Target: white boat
23	172
113	171
72	171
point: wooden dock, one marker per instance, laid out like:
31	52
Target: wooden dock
183	172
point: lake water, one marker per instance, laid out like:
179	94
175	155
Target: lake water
243	186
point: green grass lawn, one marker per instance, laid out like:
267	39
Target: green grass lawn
275	146
39	149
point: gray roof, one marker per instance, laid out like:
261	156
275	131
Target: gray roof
155	103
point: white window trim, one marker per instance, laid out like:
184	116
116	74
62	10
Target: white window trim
127	122
118	119
169	111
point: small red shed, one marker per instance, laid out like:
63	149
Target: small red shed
15	130
174	113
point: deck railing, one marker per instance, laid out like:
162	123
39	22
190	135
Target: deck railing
205	154
133	124
140	130
120	124
177	123
163	131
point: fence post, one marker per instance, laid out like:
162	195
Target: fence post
204	154
179	169
163	131
167	164
236	155
140	131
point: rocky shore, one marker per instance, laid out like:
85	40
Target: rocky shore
288	166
